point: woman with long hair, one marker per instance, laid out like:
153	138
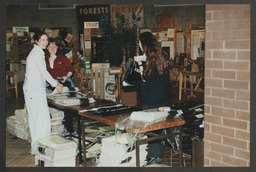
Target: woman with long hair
155	86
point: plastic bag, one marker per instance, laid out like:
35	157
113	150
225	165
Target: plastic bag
132	76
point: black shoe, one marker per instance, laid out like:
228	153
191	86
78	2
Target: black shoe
154	160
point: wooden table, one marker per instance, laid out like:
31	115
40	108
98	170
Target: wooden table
14	75
111	120
76	108
183	75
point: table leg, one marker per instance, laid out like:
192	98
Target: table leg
181	148
79	138
180	86
83	140
138	153
198	82
191	87
16	85
185	84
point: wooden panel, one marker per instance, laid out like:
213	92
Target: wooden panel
165	20
129	98
102	92
91	83
96	83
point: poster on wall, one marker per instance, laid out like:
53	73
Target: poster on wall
20	30
180	42
197	44
168	46
133	13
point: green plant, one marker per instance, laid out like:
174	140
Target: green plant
119	40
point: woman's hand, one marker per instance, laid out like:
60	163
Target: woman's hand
138	60
64	78
59	87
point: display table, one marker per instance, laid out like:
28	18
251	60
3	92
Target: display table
76	108
112	119
183	75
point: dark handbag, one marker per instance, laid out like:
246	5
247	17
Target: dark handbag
132	76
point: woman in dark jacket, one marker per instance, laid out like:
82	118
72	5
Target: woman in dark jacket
155	87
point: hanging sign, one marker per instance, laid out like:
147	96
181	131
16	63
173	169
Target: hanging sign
20	30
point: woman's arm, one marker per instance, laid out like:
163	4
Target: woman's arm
138	60
41	66
68	67
66	77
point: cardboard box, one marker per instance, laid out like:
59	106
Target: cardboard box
109	81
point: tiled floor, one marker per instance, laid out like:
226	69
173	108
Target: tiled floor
17	150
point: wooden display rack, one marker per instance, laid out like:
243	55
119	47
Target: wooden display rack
14	75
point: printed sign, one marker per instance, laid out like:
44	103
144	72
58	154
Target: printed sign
20	30
92	13
91	25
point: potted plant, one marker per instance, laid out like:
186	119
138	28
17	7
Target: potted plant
119	41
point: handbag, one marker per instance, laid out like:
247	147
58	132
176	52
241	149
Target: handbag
132	76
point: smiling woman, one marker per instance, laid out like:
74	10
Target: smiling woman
34	91
58	65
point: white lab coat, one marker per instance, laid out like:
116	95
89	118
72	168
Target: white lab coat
35	96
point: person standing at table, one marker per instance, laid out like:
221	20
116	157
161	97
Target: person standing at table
58	65
34	91
155	86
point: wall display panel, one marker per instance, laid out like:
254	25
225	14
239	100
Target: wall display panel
197	43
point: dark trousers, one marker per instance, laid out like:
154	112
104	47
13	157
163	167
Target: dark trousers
156	148
68	121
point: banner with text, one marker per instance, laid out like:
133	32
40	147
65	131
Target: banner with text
134	14
91	13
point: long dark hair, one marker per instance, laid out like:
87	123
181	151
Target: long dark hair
154	53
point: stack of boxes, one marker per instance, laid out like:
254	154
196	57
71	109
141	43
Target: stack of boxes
56	151
18	124
10	124
21	124
117	151
57	118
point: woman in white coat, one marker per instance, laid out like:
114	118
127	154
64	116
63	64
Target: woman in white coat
34	91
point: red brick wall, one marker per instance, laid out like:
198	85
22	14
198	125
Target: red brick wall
227	85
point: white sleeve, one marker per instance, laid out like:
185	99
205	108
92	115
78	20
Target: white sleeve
40	63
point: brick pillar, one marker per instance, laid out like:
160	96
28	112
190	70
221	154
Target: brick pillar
227	85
